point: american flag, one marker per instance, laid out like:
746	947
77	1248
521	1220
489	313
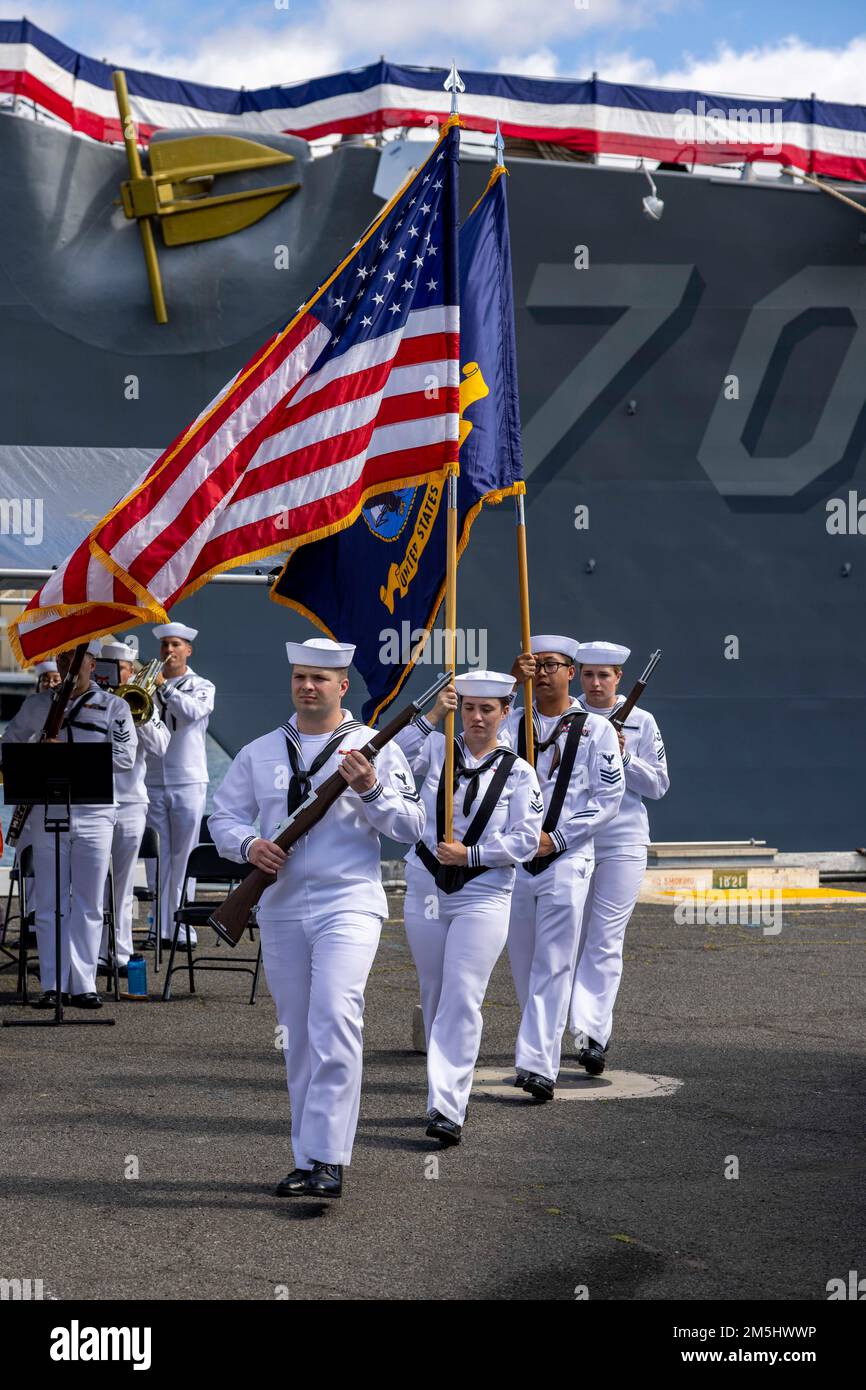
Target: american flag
358	395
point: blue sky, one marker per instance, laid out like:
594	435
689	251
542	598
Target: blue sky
766	48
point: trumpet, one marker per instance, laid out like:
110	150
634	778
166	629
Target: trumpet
138	693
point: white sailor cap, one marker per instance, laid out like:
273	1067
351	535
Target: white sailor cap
42	668
116	651
602	654
189	634
484	683
94	648
548	642
320	651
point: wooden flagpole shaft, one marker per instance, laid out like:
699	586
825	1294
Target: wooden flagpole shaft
525	630
450	634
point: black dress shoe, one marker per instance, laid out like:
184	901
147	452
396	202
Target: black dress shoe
293	1183
521	1076
49	1000
86	1001
104	969
539	1087
446	1131
323	1180
591	1057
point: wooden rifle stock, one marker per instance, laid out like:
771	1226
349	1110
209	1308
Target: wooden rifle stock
51	729
619	716
231	919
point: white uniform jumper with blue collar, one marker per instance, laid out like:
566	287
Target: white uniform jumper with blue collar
457	937
176	781
620	864
97	716
131	802
320	921
548	898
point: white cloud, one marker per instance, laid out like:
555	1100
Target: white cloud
234	56
790	68
541	63
348	33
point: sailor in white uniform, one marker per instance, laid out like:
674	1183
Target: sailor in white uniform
47	675
130	799
620	854
458	892
176	780
320	921
47	678
92	716
579	767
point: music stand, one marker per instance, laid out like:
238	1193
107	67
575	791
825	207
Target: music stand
51	778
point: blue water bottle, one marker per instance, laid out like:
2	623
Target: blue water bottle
136	975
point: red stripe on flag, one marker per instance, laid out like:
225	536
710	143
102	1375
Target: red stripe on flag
262	534
145	501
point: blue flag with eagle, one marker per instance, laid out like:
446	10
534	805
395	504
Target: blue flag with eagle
380	583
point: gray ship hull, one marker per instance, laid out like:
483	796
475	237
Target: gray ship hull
699	389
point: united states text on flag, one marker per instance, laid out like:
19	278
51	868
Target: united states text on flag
358	395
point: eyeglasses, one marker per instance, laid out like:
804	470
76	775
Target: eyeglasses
550	666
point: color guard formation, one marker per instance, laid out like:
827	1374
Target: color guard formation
521	868
545	856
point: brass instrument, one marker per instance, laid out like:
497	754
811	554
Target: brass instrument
138	693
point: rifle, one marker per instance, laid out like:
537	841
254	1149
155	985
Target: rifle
51	729
231	919
619	716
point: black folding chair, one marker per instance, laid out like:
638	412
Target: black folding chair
207	868
21	872
9	916
149	849
204	835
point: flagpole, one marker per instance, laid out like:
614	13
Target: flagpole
453	84
450	633
525	629
522	566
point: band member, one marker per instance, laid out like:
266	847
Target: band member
47	675
320	921
620	854
458	891
177	779
130	800
93	716
47	678
579	767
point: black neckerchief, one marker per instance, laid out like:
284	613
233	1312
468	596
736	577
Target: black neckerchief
563	724
450	878
71	720
560	788
302	778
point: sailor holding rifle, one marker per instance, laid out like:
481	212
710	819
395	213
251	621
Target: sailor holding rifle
457	892
320	921
177	778
579	767
93	716
620	854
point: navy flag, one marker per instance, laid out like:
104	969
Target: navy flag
380	583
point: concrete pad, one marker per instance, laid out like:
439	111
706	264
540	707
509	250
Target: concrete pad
578	1085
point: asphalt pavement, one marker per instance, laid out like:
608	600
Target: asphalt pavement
139	1161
